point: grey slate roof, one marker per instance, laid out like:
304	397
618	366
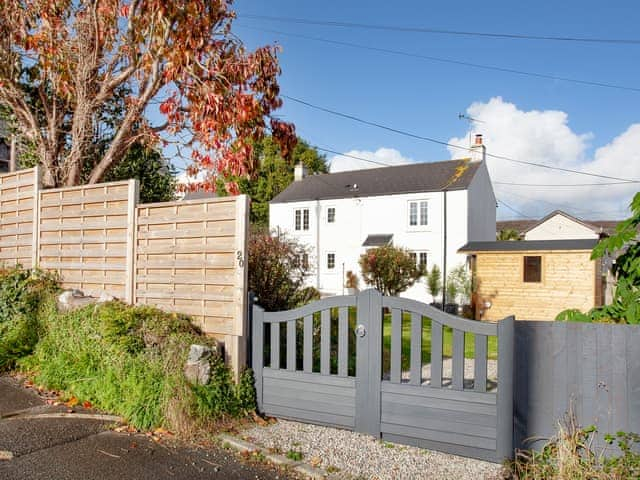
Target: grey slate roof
377	240
524	245
411	178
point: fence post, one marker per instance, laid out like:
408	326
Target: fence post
130	272
35	247
257	351
505	389
368	362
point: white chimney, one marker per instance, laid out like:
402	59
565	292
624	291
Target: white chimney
299	171
478	150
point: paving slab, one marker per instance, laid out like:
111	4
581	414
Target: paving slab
13	396
111	455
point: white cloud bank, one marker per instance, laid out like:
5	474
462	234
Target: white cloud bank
385	156
546	137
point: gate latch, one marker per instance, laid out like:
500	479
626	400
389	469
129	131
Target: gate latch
360	331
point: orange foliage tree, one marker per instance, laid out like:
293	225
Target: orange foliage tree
63	61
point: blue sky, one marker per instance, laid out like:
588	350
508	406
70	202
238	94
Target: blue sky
426	97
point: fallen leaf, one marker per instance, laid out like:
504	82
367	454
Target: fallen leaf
315	461
86	404
72	402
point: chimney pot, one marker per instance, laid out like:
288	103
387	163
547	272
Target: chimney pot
479	139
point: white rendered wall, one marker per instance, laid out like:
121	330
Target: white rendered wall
559	227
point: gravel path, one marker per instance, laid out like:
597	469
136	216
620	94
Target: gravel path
360	456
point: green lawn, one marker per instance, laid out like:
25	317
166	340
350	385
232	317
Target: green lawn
447	342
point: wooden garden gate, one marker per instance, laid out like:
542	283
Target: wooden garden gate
339	362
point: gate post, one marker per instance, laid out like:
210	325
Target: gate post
504	429
257	351
368	362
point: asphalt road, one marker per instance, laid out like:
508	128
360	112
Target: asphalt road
43	446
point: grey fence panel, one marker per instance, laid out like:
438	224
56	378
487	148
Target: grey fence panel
436	354
343	341
307	354
325	342
480	365
457	369
275	345
505	388
591	369
291	346
396	345
257	351
415	375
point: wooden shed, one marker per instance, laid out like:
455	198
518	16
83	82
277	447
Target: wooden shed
534	280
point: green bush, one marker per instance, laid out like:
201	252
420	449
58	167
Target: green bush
391	270
569	455
125	360
22	293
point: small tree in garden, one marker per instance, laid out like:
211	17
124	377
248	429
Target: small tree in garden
625	306
459	284
63	63
390	269
277	271
434	281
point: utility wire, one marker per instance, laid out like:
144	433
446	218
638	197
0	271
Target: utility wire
398	28
563	185
517	212
451	61
447	144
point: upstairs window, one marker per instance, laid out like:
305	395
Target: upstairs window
302	219
331	215
532	269
418	213
331	261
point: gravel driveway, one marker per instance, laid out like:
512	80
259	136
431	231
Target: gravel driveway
363	457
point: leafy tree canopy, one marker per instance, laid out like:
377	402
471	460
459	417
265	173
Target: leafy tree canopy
389	269
63	63
275	173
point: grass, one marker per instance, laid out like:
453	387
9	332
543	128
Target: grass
447	342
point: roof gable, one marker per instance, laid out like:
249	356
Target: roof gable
411	178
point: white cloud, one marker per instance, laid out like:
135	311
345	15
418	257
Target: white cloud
388	156
546	137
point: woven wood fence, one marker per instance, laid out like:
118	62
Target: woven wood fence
185	256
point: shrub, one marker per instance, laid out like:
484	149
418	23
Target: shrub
277	270
129	361
458	285
22	293
569	455
434	281
390	269
352	280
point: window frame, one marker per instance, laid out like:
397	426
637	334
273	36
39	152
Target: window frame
301	219
527	278
331	218
329	256
421	207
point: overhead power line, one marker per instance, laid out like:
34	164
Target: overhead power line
517	212
514	71
447	144
441	31
563	185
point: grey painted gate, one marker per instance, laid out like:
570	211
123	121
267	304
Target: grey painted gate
401	376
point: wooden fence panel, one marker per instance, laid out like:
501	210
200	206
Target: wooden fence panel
84	234
190	259
18	207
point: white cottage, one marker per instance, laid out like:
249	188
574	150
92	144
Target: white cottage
432	209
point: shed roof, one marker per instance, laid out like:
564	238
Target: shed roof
529	245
